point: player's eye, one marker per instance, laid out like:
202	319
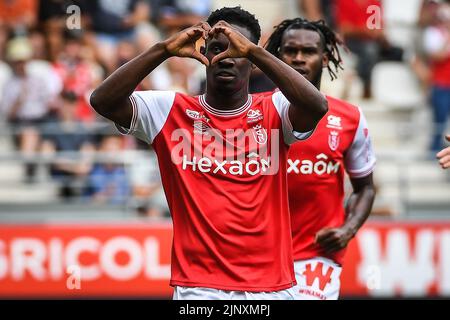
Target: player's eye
290	51
216	49
309	51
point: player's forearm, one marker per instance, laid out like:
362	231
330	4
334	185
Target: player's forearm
116	89
358	208
297	89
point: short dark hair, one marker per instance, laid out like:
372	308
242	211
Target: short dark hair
328	39
239	17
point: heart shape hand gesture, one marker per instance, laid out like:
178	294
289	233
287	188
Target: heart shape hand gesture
184	43
238	47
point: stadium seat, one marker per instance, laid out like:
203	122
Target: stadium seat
395	85
401	11
400	22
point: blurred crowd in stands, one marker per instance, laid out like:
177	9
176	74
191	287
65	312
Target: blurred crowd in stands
53	54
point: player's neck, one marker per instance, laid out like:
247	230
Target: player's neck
224	100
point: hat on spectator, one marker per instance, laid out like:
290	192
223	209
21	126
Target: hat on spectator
19	49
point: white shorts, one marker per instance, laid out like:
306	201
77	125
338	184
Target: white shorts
317	279
195	293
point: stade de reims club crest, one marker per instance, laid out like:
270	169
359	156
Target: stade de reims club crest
333	140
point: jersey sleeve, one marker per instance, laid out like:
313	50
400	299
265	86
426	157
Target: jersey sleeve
360	158
150	112
289	134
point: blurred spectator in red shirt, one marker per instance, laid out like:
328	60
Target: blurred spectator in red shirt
75	74
352	18
437	46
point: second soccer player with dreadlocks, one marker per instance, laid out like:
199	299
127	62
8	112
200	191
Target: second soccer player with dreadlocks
321	225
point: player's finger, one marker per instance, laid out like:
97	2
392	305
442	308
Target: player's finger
206	26
216	30
445	162
196	33
323	234
205	29
443	153
220	56
326	243
327	240
333	248
199	57
444	159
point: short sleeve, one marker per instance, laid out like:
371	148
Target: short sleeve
360	158
282	105
150	112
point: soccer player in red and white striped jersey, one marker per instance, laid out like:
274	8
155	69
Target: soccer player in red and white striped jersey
321	225
222	156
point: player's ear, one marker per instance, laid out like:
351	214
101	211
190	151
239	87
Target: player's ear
325	60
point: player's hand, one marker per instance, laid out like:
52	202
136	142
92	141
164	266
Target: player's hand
444	155
333	239
183	44
239	45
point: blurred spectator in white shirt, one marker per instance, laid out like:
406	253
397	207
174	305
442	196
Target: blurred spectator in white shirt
25	102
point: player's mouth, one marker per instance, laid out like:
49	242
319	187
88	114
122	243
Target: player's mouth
302	71
225	75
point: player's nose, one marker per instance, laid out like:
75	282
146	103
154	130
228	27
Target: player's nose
226	63
299	58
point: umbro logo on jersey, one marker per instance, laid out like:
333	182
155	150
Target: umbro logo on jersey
334	122
200	121
254	116
201	127
196	115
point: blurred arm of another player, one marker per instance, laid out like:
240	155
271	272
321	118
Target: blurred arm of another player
444	155
358	209
307	104
111	98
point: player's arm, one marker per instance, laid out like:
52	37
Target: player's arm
357	210
359	163
111	98
308	105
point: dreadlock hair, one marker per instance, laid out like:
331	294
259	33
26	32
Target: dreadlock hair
239	17
329	40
